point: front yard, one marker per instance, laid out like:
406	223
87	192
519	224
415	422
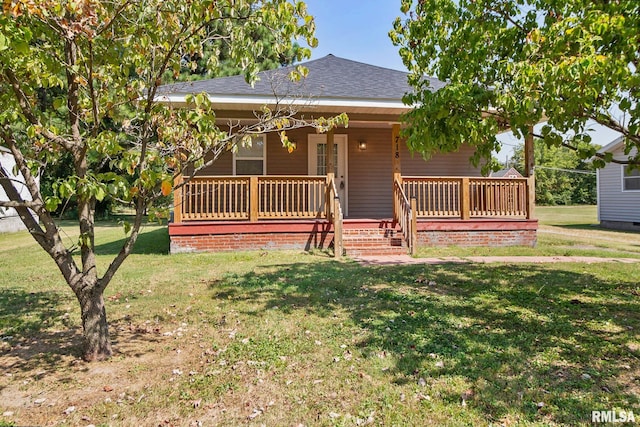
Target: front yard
288	338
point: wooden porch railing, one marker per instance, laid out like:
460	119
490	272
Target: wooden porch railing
404	214
251	198
465	198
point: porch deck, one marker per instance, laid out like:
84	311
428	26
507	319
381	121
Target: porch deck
217	213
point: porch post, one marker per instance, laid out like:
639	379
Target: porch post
338	246
531	199
177	200
529	163
395	162
331	168
253	199
395	147
465	200
331	161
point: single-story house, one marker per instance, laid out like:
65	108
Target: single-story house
9	219
618	190
357	188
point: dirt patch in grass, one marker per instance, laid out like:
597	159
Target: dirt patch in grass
45	377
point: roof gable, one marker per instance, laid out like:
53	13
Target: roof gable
329	77
509	173
614	146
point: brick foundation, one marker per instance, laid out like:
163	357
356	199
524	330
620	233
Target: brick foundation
492	233
241	242
477	238
225	237
307	235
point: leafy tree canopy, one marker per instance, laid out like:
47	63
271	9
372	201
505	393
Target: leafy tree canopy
198	65
562	178
519	62
78	78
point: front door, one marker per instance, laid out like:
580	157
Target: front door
318	162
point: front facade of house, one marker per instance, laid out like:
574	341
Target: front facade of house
618	191
358	189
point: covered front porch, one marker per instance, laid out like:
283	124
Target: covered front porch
214	213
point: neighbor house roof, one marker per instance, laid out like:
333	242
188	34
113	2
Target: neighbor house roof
333	84
509	173
613	145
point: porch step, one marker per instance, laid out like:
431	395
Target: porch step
373	241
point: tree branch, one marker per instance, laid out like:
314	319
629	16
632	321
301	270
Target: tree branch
613	124
508	17
598	155
25	107
92	93
115	16
49	238
127	247
19	203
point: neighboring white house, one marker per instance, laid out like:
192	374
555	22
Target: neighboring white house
9	219
618	191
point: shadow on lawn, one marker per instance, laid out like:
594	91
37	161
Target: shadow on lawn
38	336
24	320
517	334
149	242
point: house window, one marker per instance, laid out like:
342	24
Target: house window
321	158
251	160
630	179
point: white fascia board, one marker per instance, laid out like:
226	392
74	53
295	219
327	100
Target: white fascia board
241	102
612	146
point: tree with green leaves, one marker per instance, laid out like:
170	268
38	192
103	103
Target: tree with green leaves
102	63
519	62
562	178
196	66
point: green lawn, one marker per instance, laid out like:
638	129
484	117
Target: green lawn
567	215
289	338
563	231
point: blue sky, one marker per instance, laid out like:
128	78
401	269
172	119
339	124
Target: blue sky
358	30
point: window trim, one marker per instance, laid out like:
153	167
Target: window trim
625	176
264	156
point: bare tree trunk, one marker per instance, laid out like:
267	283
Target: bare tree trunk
97	345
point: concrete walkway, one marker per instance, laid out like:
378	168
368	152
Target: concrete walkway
407	260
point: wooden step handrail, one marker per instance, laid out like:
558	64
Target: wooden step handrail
405	216
337	219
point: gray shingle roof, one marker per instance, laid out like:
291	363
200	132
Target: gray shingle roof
328	77
505	173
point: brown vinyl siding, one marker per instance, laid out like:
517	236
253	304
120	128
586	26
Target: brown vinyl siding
445	164
280	161
370	177
370	171
223	166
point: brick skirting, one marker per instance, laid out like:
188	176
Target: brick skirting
218	237
494	238
492	233
198	237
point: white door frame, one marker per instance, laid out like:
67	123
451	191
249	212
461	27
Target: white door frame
342	163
